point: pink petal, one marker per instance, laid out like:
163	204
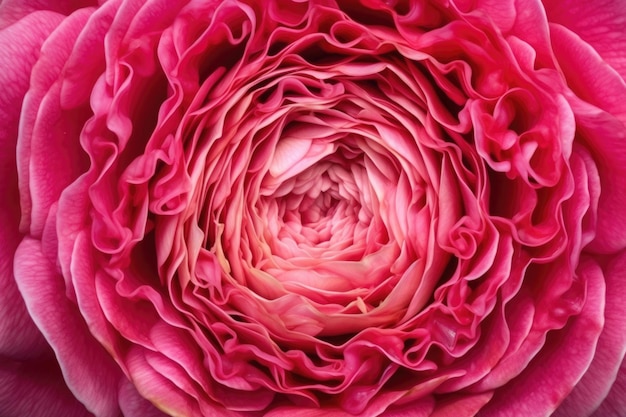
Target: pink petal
19	337
597	381
133	404
615	403
87	368
12	11
605	139
36	388
564	358
601	120
524	19
600	23
587	74
49	153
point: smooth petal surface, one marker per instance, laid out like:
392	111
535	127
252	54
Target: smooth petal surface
19	338
12	11
87	368
539	390
605	129
615	403
602	24
606	370
36	388
323	208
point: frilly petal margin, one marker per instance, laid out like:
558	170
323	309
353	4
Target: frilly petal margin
46	127
75	298
93	377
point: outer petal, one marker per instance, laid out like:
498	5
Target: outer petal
31	383
30	380
132	404
600	23
36	389
539	390
49	154
88	369
19	338
523	19
596	383
12	11
601	120
615	403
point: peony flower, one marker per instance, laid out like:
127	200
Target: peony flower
312	208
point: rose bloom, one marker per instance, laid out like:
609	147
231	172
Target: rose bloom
312	208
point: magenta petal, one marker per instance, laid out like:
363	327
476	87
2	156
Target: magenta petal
605	139
133	404
49	153
34	389
587	74
601	23
87	368
563	360
615	403
596	383
601	120
19	337
12	11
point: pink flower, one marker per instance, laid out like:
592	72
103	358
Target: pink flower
312	208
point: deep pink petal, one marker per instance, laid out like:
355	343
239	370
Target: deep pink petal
12	11
600	23
19	46
88	369
615	403
601	122
36	389
587	74
49	153
524	19
605	138
562	361
132	404
597	381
